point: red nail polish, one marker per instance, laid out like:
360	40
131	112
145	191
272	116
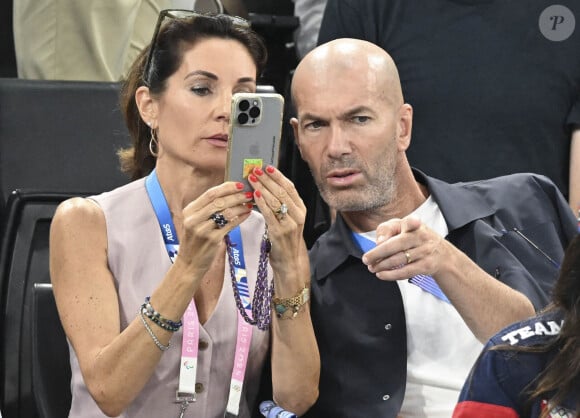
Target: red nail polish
270	169
258	194
258	171
239	186
250	205
249	195
252	178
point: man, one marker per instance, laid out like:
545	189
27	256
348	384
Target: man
474	93
481	255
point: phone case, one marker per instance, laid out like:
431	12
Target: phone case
255	134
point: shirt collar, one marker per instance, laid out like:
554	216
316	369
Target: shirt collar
459	203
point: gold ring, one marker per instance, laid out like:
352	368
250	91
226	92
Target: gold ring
408	257
281	211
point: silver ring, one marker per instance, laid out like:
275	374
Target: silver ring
219	219
282	211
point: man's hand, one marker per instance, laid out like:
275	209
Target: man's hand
406	247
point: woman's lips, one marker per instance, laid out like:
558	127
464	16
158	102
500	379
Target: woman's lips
218	140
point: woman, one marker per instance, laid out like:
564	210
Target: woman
532	368
124	295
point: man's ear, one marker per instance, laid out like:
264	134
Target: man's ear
405	125
147	106
294	123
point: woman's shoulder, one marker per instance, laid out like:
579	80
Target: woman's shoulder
532	331
122	192
80	212
76	210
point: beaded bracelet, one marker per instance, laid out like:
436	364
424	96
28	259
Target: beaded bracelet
158	319
152	334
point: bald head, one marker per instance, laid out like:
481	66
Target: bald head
343	62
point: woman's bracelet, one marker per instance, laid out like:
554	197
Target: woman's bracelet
152	334
288	308
157	318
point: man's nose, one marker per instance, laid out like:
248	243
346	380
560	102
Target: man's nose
338	142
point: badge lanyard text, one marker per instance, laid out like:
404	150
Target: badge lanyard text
189	348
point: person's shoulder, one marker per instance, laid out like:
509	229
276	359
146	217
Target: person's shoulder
86	210
511	182
76	213
135	186
504	191
536	330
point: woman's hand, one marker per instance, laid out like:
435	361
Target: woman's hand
201	235
284	213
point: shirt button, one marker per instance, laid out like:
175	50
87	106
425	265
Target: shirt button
199	387
203	344
388	327
386	397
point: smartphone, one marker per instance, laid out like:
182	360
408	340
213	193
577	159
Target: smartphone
254	134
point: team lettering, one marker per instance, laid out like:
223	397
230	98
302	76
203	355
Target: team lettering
539	328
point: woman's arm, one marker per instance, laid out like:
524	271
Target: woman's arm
87	300
295	357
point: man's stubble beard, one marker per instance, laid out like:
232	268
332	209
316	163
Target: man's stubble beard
372	195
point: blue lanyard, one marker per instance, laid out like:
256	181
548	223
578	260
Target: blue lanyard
187	377
426	283
171	241
363	242
240	268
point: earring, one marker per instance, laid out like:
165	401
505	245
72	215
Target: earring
153	141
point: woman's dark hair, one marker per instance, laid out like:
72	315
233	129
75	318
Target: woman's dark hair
561	377
174	38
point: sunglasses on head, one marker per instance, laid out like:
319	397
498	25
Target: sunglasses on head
183	14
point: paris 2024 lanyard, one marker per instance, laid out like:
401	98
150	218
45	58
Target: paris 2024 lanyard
189	348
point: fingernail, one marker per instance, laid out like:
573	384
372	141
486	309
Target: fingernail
258	171
257	194
250	205
239	186
252	178
249	195
270	169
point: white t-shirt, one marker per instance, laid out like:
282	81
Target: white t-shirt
440	347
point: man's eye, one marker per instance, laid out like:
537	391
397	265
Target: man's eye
361	119
313	125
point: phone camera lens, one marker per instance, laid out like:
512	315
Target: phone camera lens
244	105
242	118
254	112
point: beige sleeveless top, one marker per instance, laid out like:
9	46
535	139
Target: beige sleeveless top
138	260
